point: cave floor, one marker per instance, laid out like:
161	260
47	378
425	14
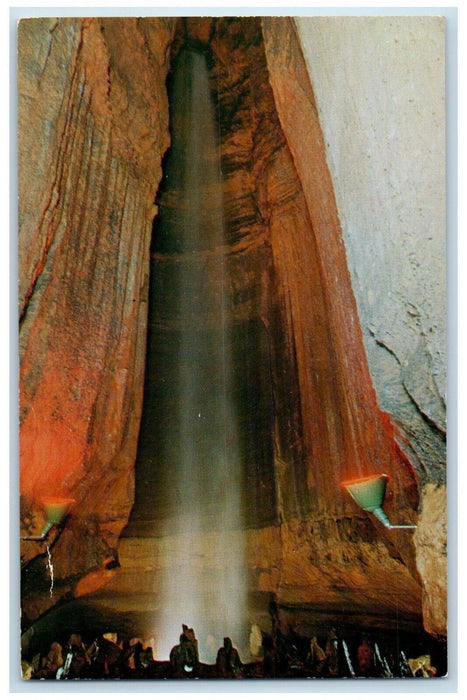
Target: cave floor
129	617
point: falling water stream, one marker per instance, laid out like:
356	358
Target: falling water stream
51	571
203	581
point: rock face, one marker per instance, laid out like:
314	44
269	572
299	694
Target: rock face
392	207
89	164
389	95
431	552
95	131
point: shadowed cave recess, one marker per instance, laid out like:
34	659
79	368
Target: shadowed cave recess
257	399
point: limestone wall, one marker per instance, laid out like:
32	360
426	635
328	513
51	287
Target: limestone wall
379	87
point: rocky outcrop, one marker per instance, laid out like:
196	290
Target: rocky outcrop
91	144
431	552
307	410
377	105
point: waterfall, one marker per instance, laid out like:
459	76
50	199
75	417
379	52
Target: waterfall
204	575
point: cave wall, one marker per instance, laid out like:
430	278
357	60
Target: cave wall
382	111
94	134
90	149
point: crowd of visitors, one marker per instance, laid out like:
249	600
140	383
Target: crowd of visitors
278	656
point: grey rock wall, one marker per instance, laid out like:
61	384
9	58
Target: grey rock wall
379	87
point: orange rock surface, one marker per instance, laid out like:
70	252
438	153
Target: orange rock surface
93	126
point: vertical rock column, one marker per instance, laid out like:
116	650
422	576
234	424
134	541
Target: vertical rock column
380	89
92	132
364	435
336	386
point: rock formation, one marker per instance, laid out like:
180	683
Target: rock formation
91	145
94	128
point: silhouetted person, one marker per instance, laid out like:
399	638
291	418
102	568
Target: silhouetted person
316	657
269	657
138	648
52	662
256	641
76	662
126	661
332	654
281	652
364	659
228	661
147	658
184	659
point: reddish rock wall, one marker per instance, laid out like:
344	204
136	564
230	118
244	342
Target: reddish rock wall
291	85
91	143
94	134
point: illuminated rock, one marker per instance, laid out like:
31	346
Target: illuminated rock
93	124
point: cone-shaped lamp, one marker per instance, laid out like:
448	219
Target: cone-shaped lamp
369	493
55	510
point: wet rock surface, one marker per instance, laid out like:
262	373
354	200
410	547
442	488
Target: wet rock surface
91	146
95	134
